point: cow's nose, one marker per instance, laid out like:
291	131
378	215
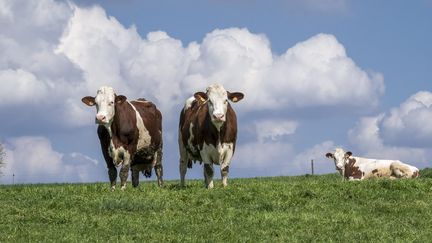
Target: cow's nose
100	117
218	116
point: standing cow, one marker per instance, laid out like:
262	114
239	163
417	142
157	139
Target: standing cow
130	134
208	132
357	168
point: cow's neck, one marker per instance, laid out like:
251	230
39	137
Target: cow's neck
119	114
214	131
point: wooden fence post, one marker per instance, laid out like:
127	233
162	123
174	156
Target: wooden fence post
312	166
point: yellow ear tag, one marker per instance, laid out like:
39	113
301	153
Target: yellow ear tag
234	99
202	99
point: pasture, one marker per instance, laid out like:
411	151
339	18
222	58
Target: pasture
277	209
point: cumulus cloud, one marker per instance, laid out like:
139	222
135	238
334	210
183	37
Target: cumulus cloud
75	50
33	159
274	129
315	72
409	124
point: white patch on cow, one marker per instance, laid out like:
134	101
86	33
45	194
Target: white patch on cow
105	99
221	154
188	103
119	155
217	104
144	138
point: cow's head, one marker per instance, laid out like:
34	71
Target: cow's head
340	158
105	101
217	98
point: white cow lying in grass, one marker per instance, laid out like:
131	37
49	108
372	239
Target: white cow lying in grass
357	168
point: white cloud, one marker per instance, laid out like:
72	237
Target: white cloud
74	50
409	124
274	129
21	87
315	72
33	159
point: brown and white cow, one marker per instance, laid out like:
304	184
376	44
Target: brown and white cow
358	168
130	134
208	132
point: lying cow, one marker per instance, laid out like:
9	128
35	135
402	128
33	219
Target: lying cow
130	134
357	168
208	132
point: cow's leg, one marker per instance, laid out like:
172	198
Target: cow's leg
158	167
208	175
135	176
224	168
104	139
112	174
183	169
124	173
224	175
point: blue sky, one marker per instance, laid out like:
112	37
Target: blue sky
316	75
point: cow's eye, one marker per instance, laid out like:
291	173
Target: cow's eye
111	103
226	102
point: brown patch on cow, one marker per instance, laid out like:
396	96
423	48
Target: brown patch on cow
374	171
352	171
415	174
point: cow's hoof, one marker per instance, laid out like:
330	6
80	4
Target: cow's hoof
112	188
123	188
210	185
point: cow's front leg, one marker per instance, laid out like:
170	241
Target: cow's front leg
224	174
226	163
124	173
112	173
208	175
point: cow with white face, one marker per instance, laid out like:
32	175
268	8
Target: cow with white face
130	134
358	168
208	132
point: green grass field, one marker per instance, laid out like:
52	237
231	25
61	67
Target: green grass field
279	209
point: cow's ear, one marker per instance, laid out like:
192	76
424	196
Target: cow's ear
329	155
88	100
201	97
348	154
120	99
234	97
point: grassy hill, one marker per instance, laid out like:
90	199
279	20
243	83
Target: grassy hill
279	209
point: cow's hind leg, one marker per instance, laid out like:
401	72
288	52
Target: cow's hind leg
135	176
159	168
208	175
399	170
183	169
